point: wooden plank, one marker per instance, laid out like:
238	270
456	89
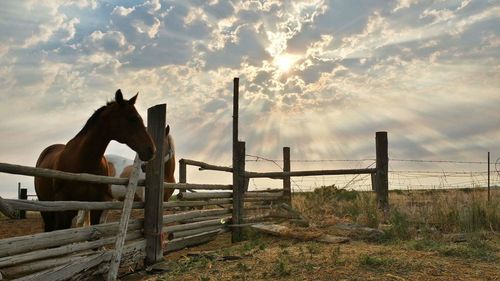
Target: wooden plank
264	195
13	260
206	166
122	230
203	195
153	210
190	232
68	270
187	226
382	170
280	175
194	214
37	267
30	205
200	219
183	242
132	253
27	243
48	173
7	209
283	231
238	192
174	204
194	186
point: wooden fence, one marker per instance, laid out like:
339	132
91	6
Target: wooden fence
78	253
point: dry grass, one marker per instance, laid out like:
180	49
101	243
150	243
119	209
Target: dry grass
445	211
414	246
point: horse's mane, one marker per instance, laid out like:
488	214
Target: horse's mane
93	119
171	142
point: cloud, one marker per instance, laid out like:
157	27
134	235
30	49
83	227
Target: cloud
112	42
427	72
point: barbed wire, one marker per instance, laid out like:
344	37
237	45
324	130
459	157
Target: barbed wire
260	158
399	179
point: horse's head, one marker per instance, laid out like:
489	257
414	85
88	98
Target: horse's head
126	126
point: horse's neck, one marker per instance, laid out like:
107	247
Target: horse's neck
87	149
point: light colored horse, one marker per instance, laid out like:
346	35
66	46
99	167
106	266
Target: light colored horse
121	167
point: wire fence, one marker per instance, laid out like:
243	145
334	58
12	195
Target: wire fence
405	174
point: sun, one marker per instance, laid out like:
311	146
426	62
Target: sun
284	62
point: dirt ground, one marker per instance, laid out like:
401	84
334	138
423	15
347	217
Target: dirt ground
264	257
270	258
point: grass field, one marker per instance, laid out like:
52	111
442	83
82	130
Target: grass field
427	235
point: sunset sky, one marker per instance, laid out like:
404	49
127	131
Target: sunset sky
319	76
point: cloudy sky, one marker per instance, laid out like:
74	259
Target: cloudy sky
319	76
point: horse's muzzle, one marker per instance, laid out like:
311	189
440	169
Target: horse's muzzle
147	154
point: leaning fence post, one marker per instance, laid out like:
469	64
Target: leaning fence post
382	174
287	187
153	209
122	230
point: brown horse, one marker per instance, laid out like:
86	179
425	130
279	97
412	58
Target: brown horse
118	120
122	167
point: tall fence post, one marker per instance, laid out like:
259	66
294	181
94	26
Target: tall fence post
22	193
238	192
382	174
182	171
153	209
287	187
237	218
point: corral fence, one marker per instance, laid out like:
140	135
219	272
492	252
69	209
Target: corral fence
99	251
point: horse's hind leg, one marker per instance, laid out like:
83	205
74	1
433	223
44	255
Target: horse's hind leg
48	221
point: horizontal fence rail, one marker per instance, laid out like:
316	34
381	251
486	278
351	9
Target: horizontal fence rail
48	173
205	166
278	175
49	206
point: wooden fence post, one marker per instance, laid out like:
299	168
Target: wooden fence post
287	187
382	174
238	193
22	194
182	171
153	209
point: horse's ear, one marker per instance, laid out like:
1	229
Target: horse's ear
119	96
167	130
132	100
